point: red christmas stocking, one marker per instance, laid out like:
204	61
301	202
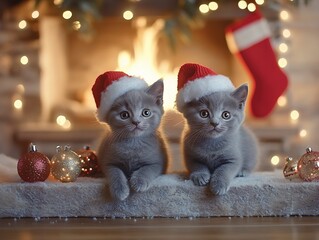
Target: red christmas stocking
249	39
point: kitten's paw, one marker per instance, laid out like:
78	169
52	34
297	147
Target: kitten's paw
243	173
199	178
139	184
219	187
119	191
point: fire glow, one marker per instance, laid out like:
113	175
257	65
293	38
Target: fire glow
143	61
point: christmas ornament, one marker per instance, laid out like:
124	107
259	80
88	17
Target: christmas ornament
248	39
290	169
33	166
111	85
308	165
89	162
65	165
196	81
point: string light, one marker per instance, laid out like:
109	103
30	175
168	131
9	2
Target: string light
128	15
284	15
203	8
286	33
282	62
18	104
35	14
260	2
303	133
67	124
242	4
282	101
283	47
20	88
24	60
294	115
22	24
275	160
213	6
76	25
62	121
251	7
67	14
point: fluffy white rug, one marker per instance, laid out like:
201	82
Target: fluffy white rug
261	194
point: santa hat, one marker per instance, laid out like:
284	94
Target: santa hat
111	85
196	81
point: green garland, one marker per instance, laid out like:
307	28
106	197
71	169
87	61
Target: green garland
84	11
178	26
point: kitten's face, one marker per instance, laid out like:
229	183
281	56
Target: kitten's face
136	113
216	114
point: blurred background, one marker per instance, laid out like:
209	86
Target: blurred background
52	51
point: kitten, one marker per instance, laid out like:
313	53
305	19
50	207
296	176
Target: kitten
133	153
216	146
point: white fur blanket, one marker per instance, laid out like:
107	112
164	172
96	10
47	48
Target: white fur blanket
261	194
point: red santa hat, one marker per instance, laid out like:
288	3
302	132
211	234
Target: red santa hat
111	85
196	81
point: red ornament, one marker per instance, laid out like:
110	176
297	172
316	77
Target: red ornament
308	166
89	162
33	166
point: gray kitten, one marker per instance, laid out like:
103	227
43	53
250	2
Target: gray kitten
216	146
133	153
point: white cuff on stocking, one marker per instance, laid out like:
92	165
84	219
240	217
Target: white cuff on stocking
248	35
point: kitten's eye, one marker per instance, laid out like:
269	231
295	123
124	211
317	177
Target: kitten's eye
204	114
146	112
226	115
124	115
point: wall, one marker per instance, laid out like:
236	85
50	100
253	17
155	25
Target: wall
303	71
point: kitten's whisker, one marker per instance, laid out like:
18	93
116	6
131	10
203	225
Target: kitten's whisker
117	135
194	136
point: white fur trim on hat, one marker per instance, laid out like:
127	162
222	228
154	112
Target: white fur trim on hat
200	87
117	89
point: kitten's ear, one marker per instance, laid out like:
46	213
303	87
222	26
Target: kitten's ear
240	94
157	90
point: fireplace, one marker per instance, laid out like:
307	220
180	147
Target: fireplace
70	62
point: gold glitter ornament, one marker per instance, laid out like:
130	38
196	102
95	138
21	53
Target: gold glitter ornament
308	166
290	169
65	164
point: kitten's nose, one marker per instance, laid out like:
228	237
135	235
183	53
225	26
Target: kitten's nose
214	123
136	123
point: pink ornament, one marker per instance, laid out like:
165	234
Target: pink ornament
308	166
33	166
